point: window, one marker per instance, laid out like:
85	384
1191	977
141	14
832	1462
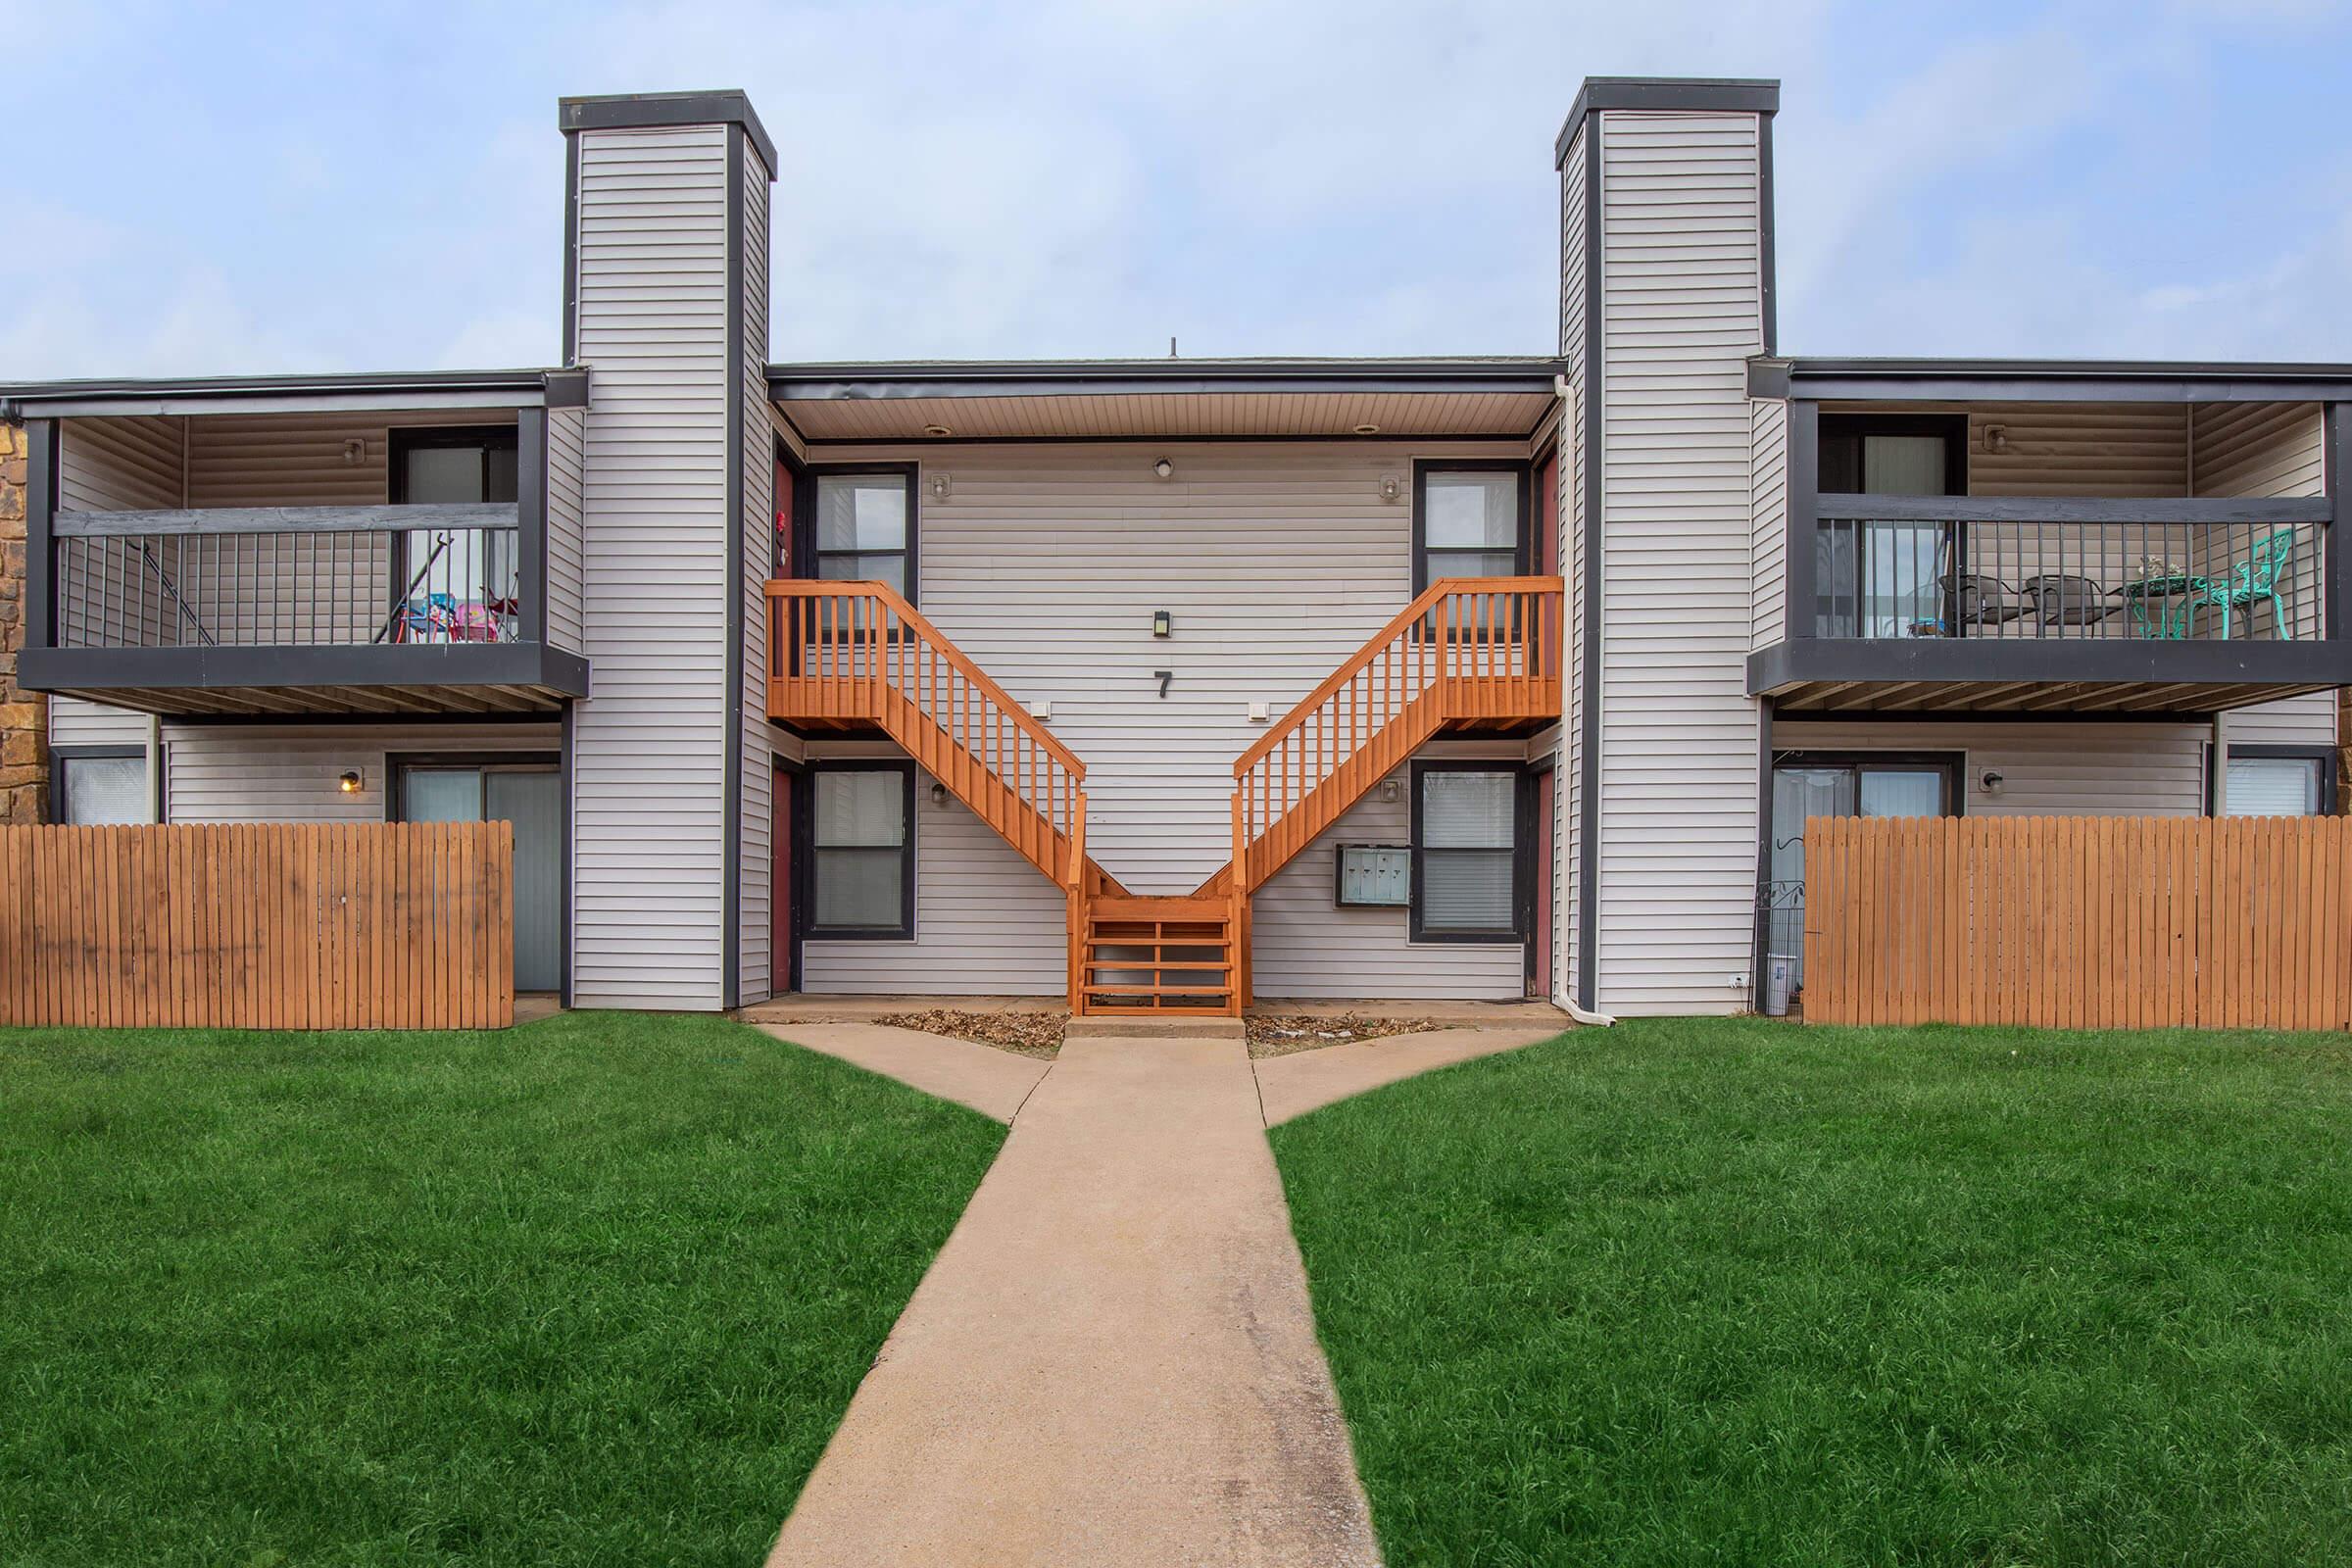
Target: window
456	584
1466	836
97	785
1469	521
865	529
861	830
2280	781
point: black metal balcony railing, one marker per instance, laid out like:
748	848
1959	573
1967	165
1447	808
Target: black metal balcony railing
2237	571
293	578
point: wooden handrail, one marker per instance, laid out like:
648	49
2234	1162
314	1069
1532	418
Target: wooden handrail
1402	621
889	599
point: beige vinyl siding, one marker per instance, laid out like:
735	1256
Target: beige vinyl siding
1305	945
1768	476
2079	449
1568	780
77	721
111	592
986	922
288	772
2305	721
566	430
2046	769
1682	309
131	464
2259	449
753	849
1277	561
2266	449
648	846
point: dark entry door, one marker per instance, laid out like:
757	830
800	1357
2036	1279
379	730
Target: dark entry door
531	796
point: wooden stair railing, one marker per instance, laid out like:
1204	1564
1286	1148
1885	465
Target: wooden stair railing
1467	650
857	652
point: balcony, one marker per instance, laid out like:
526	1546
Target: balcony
366	607
2215	583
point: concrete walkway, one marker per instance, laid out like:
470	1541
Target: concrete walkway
1112	1360
990	1081
1308	1080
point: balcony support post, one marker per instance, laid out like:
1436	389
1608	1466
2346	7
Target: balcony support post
40	540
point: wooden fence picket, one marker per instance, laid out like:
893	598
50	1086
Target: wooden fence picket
2079	922
259	926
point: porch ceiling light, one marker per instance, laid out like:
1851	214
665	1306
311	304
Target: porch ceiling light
936	429
1367	429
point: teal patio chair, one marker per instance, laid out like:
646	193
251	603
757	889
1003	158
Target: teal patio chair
2254	581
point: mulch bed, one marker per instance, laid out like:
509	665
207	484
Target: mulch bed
1283	1034
1026	1034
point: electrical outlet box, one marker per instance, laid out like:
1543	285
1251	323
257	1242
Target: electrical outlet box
1737	979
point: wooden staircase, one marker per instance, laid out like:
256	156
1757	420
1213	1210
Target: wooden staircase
1156	957
1468	655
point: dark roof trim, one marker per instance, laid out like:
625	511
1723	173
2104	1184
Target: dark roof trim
556	388
2048	380
1721	95
634	111
1049	378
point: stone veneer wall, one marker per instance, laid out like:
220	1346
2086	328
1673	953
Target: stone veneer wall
23	715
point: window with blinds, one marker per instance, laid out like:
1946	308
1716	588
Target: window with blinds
1466	855
862	851
2273	786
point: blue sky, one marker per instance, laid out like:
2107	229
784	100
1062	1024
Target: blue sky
351	186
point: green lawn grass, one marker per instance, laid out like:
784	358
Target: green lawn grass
591	1291
1738	1292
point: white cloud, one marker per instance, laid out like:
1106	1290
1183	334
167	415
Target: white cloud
1076	177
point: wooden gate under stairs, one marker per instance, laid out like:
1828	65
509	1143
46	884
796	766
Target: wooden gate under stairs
1467	656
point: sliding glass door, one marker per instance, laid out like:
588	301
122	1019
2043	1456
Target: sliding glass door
1861	785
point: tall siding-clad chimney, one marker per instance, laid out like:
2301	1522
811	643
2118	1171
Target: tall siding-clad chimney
666	300
1666	290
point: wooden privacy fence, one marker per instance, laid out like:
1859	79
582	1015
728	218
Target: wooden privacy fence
283	925
2078	922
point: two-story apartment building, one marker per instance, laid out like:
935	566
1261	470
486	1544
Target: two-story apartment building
1156	684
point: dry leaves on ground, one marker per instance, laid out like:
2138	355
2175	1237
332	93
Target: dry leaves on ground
1281	1034
1027	1034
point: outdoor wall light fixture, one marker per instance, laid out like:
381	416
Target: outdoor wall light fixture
1991	782
938	794
1391	487
1161	625
1164	468
349	783
1392	790
941	485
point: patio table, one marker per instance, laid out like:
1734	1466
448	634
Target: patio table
2160	603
